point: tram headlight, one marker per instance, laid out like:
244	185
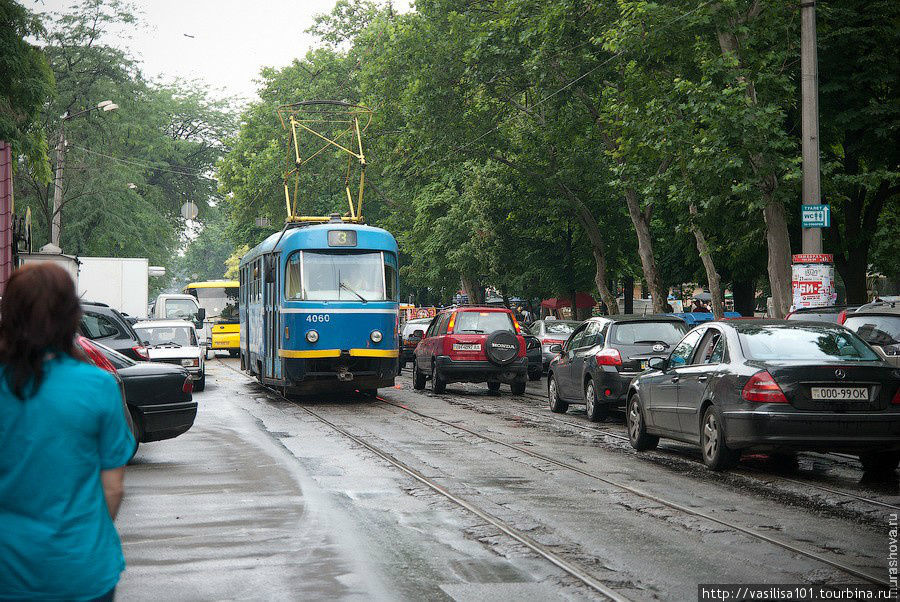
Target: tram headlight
376	336
312	336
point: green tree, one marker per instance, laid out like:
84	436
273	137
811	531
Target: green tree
128	172
26	84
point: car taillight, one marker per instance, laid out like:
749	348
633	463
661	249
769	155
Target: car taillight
842	317
896	399
95	355
762	388
188	385
141	352
516	324
452	323
609	357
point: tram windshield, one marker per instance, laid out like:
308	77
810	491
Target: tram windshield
330	276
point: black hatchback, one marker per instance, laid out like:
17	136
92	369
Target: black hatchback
773	386
596	364
102	323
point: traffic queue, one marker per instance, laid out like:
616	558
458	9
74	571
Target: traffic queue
822	381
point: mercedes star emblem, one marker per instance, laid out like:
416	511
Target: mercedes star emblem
840	373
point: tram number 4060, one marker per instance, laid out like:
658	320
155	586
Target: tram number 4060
318	318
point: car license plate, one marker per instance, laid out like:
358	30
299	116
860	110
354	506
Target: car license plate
466	346
840	393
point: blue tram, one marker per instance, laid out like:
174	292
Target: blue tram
319	310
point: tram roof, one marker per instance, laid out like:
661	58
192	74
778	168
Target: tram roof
316	237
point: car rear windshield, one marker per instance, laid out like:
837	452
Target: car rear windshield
804	343
875	330
115	358
647	333
483	321
557	327
827	315
167	335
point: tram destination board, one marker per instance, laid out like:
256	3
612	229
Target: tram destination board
341	238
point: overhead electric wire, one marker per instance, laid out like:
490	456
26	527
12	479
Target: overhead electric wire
146	165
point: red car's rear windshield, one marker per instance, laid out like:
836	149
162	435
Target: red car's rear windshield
478	322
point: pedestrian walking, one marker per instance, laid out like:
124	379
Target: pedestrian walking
64	442
526	315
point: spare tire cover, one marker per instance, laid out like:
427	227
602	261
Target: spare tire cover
501	347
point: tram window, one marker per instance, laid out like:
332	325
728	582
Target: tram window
292	285
342	276
390	276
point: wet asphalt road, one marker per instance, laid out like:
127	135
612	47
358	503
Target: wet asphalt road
261	500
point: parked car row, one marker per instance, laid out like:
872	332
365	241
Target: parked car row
734	386
158	363
776	386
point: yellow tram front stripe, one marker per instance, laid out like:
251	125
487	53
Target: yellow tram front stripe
315	353
375	352
310	353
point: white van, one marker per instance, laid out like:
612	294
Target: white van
177	306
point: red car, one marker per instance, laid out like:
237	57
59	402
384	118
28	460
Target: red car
472	344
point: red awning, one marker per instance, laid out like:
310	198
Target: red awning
582	300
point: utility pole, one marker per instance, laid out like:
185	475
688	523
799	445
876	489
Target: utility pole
809	79
56	217
7	214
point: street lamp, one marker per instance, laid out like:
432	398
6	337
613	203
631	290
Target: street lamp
55	218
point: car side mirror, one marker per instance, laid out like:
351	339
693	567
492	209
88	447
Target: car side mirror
657	363
417	334
556	348
201	314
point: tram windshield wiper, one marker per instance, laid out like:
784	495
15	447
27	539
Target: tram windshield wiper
347	288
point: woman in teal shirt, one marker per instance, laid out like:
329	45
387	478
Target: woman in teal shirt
64	443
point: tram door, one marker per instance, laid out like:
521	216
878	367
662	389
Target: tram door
272	323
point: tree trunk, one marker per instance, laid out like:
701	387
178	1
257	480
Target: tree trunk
640	218
715	288
641	221
592	229
473	289
744	297
779	266
777	238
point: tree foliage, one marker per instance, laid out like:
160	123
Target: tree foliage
544	147
26	83
128	172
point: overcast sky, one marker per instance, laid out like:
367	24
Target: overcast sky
231	39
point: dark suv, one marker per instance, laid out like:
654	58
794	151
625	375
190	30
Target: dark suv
100	322
598	360
472	344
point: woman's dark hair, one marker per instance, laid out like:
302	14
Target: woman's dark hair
39	314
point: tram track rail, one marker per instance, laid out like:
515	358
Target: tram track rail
757	473
845	459
757	476
654	498
572	569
